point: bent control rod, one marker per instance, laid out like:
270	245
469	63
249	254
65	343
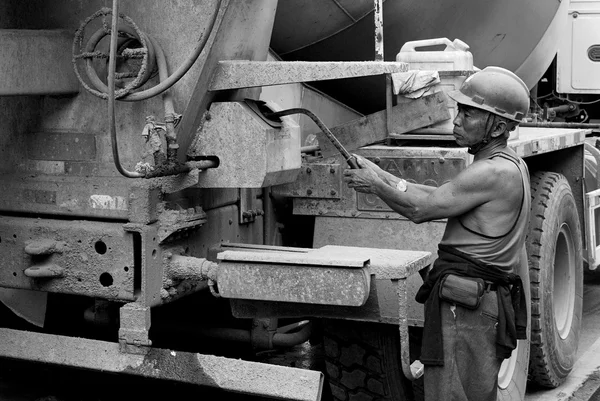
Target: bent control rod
351	160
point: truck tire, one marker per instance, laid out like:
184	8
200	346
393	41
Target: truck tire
512	378
554	246
363	362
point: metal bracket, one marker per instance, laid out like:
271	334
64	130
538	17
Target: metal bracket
411	372
134	326
176	221
319	181
249	207
236	74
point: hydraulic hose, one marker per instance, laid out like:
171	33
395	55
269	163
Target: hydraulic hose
111	95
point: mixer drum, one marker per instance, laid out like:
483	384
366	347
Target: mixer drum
505	33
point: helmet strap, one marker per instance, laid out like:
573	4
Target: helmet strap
489	125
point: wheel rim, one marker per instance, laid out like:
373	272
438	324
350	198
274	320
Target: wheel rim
507	369
563	293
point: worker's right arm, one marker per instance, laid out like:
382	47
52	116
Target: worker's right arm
480	183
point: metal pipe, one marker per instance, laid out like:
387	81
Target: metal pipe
285	340
310	149
351	160
378	15
268	219
559	125
111	95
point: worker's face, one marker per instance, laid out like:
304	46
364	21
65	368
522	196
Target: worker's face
470	125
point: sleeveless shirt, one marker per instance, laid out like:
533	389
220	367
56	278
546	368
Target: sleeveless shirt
502	251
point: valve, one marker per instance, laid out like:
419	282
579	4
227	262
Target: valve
135	47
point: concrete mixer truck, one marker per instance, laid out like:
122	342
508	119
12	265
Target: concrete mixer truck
172	199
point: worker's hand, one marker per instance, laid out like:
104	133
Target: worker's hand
364	179
367	163
362	161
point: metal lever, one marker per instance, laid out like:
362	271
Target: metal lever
351	160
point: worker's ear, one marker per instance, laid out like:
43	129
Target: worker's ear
500	128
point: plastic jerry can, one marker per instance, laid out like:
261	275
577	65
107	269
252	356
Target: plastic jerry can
455	57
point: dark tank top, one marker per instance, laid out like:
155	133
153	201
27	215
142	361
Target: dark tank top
502	251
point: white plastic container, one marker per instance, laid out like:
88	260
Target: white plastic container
455	57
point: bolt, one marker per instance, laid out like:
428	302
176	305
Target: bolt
376	160
332	170
332	192
309	192
308	170
208	116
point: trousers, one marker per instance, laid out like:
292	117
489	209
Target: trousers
470	371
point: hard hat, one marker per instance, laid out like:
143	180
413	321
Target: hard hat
496	90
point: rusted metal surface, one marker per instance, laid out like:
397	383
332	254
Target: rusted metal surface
325	276
36	62
315	180
178	221
315	257
252	378
249	209
403	330
150	265
262	156
185	275
237	37
94	259
293	283
134	325
65	146
66	196
378	17
381	307
237	74
374	128
383	263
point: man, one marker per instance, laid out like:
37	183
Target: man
474	302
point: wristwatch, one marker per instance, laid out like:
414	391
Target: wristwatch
401	185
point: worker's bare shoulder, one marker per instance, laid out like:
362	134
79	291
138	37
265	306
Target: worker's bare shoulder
490	173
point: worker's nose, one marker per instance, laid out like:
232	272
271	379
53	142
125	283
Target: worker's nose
457	120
